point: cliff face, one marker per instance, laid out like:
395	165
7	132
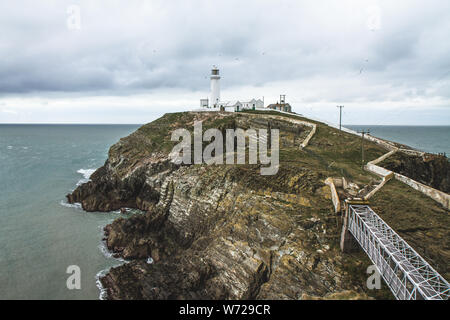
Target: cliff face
431	170
225	231
214	236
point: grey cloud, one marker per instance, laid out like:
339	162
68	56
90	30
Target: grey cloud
125	47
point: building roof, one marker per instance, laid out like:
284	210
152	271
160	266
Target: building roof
235	102
277	105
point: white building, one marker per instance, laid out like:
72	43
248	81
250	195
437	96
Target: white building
204	103
251	105
237	105
233	106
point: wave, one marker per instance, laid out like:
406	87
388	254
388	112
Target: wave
98	283
104	249
86	175
108	254
75	205
86	172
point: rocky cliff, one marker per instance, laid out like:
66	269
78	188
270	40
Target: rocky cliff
429	169
225	231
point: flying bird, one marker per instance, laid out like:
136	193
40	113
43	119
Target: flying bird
362	69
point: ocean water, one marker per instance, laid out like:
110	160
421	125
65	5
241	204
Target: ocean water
40	235
433	139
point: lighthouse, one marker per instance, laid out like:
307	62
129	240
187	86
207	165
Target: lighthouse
214	102
215	87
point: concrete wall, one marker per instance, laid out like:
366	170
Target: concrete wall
290	113
412	152
334	196
378	160
371	166
439	196
340	182
313	126
310	135
385	144
378	187
379	171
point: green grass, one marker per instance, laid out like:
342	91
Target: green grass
419	220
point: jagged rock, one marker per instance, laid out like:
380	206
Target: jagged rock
432	170
216	232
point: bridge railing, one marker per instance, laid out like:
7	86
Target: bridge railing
406	273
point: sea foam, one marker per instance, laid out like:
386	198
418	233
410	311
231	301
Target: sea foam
86	175
103	248
75	205
103	291
108	254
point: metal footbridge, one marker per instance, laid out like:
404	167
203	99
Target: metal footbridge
405	272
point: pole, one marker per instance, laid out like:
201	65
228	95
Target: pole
340	117
363	132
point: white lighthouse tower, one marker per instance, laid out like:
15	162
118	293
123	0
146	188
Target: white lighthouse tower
215	87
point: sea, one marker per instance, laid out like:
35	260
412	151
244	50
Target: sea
432	139
41	235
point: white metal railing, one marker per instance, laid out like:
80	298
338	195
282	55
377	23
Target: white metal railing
406	273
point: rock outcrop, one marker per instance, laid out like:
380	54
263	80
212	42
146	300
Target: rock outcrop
432	170
222	231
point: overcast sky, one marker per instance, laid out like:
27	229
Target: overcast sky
131	61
